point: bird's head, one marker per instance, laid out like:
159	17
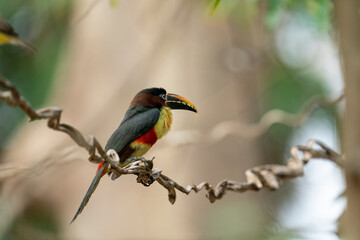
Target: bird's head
158	97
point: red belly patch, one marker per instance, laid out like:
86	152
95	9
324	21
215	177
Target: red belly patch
148	138
99	166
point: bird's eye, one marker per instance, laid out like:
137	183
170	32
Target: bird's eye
163	96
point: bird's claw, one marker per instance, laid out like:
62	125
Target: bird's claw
145	179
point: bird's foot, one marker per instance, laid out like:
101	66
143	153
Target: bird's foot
114	175
145	179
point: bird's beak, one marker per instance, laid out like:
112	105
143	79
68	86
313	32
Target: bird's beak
175	101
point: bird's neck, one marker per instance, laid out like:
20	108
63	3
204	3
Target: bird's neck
163	125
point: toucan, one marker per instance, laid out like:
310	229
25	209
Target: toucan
9	36
147	119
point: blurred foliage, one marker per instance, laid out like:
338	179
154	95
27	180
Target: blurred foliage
243	12
246	219
287	84
283	235
45	25
36	222
114	3
239	220
287	89
215	4
319	11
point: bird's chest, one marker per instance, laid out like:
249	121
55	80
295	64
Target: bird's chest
163	125
141	145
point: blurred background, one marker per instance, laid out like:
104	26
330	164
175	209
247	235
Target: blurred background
235	63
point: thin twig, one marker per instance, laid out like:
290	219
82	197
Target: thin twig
251	131
272	117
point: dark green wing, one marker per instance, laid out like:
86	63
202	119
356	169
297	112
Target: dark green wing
138	120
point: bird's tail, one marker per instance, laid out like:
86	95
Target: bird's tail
103	168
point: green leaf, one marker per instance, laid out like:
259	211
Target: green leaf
275	9
216	3
320	10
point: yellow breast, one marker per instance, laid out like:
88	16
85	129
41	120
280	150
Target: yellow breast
164	123
161	128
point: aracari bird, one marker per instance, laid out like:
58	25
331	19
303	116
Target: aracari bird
148	119
9	36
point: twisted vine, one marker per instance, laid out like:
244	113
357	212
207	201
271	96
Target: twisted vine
265	176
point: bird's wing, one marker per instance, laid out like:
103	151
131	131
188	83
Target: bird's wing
137	121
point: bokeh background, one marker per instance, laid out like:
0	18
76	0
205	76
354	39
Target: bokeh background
234	63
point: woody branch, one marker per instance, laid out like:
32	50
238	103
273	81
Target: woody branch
265	176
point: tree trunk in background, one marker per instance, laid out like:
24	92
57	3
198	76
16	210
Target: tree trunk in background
348	20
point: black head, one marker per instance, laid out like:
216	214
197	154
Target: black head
153	91
150	97
157	97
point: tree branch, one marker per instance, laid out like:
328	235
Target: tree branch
272	117
251	131
266	176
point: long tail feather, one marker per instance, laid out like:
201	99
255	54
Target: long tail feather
90	191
